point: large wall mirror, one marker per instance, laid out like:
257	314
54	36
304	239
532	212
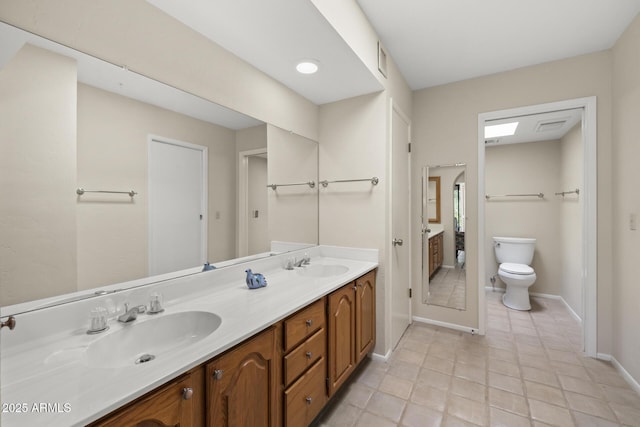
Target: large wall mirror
443	242
170	180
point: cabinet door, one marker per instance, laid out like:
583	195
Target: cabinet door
440	250
431	257
365	314
341	336
172	405
242	385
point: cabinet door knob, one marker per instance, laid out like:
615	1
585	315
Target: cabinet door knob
309	400
187	393
309	355
217	374
309	322
355	288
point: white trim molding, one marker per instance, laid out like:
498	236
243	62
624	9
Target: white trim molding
625	374
453	326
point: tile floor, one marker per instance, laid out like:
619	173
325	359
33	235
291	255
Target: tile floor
527	371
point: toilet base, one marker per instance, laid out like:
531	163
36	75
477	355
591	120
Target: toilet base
517	298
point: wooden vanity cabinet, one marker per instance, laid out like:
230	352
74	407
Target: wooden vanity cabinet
304	364
179	403
436	253
242	384
351	328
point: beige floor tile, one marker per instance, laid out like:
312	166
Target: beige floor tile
342	415
608	378
434	379
506	383
627	415
370	377
550	414
386	406
404	370
540	376
469	389
499	418
396	386
368	419
439	364
508	401
502	354
408	356
358	395
442	350
468	410
532	350
580	386
545	393
504	367
589	405
536	361
451	421
471	358
421	416
564	356
570	370
469	372
414	344
623	396
425	395
585	420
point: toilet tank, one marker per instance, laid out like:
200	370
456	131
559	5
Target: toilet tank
518	250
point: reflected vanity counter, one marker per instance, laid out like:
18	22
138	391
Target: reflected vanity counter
435	229
50	363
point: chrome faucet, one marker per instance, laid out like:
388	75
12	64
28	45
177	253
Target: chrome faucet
131	314
305	260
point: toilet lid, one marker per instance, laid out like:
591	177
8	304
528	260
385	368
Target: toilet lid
516	268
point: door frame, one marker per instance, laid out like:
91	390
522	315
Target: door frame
242	238
590	210
389	234
204	196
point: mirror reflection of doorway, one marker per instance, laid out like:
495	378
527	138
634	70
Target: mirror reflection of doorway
444	256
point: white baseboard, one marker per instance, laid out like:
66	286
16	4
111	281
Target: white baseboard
626	375
540	295
381	358
445	325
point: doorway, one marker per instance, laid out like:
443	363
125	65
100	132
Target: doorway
177	205
253	236
588	195
400	219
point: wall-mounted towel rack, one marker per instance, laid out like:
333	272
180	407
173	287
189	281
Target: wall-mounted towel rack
80	191
373	181
564	193
311	184
538	195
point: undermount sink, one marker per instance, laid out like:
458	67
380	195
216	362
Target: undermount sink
323	270
149	337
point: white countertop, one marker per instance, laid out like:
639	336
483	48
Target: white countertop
49	366
434	230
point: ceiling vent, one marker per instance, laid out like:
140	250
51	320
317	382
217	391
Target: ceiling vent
551	125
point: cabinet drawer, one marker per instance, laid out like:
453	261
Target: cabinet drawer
305	355
306	397
304	323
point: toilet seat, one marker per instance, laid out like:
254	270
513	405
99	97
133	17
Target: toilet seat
518	269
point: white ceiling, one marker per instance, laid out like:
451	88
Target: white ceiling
434	42
274	36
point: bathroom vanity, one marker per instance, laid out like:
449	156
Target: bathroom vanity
436	252
274	357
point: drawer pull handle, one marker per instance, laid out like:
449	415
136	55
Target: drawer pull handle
308	399
217	374
187	393
309	322
308	355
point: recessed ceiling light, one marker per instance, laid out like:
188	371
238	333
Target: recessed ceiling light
496	131
307	66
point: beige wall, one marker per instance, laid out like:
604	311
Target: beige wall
445	131
626	200
532	167
353	143
37	176
293	210
119	31
113	136
571	217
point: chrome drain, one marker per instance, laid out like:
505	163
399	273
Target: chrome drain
145	358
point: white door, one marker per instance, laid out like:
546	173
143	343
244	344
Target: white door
177	206
400	226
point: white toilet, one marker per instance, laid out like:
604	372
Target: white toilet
514	254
